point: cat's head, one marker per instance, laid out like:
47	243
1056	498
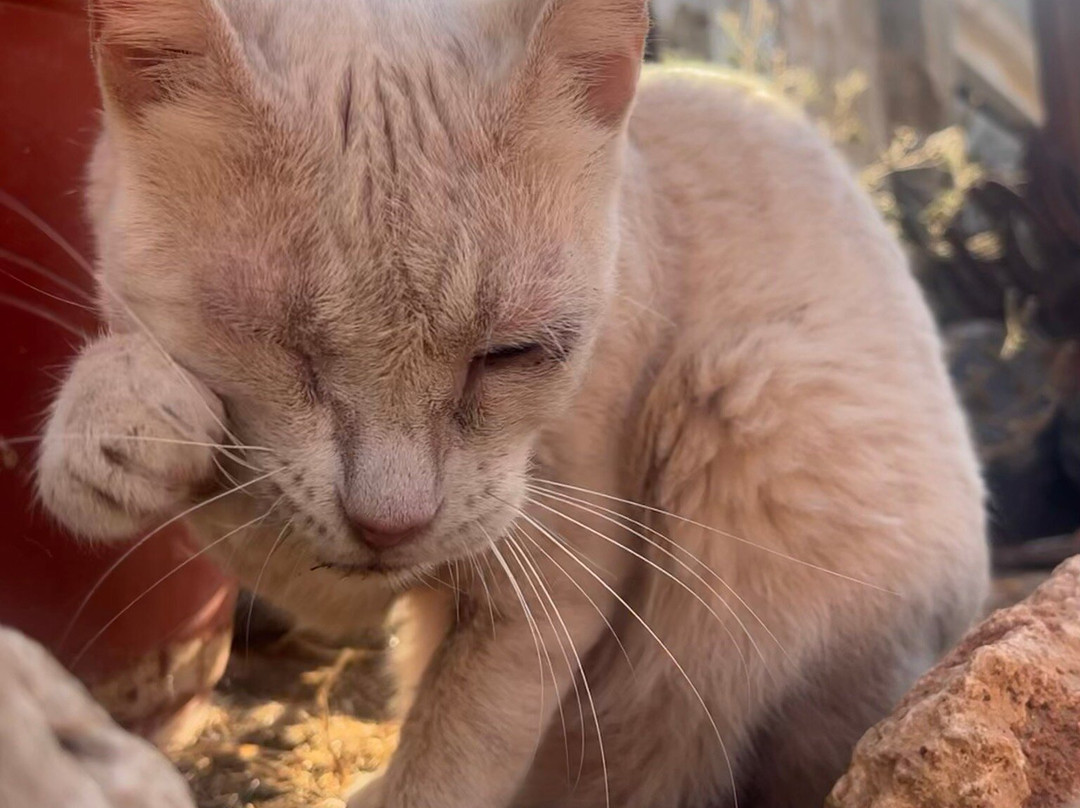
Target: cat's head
383	231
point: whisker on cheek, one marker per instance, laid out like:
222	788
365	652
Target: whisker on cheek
284	534
81	607
534	629
44	314
573	668
669	576
565	548
100	633
717	532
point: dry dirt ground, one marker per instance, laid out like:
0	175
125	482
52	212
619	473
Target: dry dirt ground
292	726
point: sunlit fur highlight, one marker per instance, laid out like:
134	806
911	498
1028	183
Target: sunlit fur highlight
687	552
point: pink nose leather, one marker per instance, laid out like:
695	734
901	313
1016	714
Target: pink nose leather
390	490
384	534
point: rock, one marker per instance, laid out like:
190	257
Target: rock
995	725
60	748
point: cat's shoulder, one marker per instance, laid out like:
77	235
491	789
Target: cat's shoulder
702	109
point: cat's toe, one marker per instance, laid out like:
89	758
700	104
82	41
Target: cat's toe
109	488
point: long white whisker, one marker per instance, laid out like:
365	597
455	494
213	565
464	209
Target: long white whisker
584	594
47	293
669	576
723	533
646	308
18	207
180	372
487	593
90	643
33	266
258	579
678	666
136	439
10	202
13	204
486	558
224	472
534	629
584	679
597	511
134	547
44	314
512	546
450	568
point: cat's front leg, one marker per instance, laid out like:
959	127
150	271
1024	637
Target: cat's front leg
130	440
371	794
485	702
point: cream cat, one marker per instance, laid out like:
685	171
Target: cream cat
455	292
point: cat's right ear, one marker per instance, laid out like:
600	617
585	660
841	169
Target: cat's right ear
588	52
150	52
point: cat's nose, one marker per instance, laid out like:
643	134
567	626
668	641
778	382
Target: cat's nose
390	491
383	534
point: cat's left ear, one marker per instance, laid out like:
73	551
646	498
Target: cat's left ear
151	52
589	52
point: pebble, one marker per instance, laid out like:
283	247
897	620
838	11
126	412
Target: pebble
268	714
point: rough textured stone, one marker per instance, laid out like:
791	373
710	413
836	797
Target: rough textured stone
995	725
59	748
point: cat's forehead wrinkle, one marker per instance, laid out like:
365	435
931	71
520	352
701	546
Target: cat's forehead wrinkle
412	74
346	107
418	122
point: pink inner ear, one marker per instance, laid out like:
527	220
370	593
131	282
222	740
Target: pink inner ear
134	75
611	80
147	48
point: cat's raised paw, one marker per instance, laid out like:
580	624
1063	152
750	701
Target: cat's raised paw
132	438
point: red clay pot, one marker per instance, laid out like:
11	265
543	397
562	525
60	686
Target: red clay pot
164	653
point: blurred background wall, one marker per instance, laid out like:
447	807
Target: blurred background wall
927	63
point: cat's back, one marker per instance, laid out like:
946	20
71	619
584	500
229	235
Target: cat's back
739	162
800	323
720	118
769	227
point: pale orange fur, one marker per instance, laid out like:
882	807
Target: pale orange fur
323	212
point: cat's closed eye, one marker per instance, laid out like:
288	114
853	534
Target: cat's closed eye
515	357
529	353
506	354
